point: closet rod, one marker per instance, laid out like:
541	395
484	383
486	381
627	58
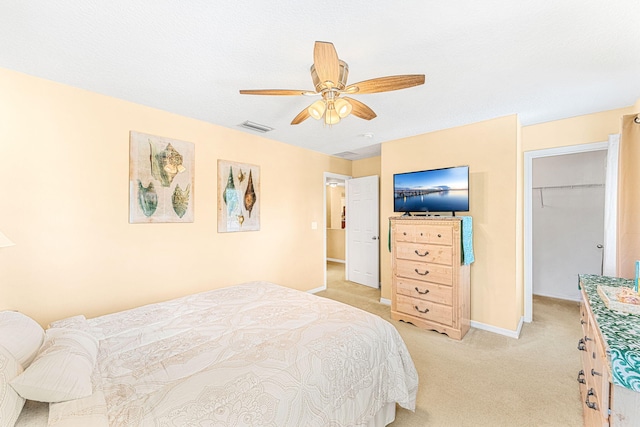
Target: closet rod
567	186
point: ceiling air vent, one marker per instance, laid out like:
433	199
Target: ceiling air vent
257	127
346	155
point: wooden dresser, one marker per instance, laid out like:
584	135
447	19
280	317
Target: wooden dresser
430	285
610	353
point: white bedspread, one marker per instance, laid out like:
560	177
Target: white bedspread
255	354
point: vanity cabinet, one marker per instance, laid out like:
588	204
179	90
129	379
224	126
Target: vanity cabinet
609	380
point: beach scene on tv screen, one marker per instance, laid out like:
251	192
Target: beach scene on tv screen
440	190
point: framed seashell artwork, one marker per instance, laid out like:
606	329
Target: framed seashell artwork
161	176
238	197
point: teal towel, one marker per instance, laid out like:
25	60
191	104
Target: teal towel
467	240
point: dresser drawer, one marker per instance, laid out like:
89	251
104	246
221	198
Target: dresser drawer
425	253
436	234
432	292
422	271
425	310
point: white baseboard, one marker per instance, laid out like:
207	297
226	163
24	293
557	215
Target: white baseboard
385	301
341	261
316	290
506	332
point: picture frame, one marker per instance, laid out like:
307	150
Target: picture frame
161	179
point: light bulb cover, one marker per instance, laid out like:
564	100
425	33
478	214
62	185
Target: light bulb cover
343	107
316	110
331	117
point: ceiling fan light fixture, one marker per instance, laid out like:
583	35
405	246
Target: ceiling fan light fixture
316	110
343	107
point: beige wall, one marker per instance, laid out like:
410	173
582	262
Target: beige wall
573	131
64	168
490	148
336	244
366	167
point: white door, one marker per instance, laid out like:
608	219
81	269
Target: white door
363	231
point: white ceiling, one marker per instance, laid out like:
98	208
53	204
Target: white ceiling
542	59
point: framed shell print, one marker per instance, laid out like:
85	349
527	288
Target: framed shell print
161	176
238	197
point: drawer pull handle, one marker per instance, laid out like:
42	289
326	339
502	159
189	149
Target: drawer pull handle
594	373
422	293
426	310
581	345
590	405
581	377
422	274
419	254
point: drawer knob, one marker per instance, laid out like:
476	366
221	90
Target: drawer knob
586	338
581	345
589	403
582	322
426	291
421	234
405	233
419	254
594	373
581	377
439	235
422	274
426	310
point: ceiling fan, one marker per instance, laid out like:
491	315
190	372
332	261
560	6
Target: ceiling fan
329	75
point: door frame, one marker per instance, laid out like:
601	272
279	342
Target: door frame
326	177
528	211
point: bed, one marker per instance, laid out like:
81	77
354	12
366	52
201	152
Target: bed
255	354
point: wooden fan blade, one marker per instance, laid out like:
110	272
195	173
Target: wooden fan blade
325	60
361	110
301	117
385	84
275	92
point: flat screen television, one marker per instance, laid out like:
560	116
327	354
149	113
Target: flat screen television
435	190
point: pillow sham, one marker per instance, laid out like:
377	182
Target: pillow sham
21	335
62	369
10	402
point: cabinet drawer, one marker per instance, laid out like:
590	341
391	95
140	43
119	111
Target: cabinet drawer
584	318
425	310
437	234
432	292
425	253
422	271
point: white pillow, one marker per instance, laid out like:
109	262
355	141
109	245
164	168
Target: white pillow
10	402
21	335
62	369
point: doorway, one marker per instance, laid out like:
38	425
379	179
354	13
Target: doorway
335	200
603	255
568	221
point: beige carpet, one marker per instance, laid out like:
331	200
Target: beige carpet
486	379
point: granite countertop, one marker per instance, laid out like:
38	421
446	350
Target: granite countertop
621	332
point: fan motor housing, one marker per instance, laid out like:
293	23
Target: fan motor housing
340	84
